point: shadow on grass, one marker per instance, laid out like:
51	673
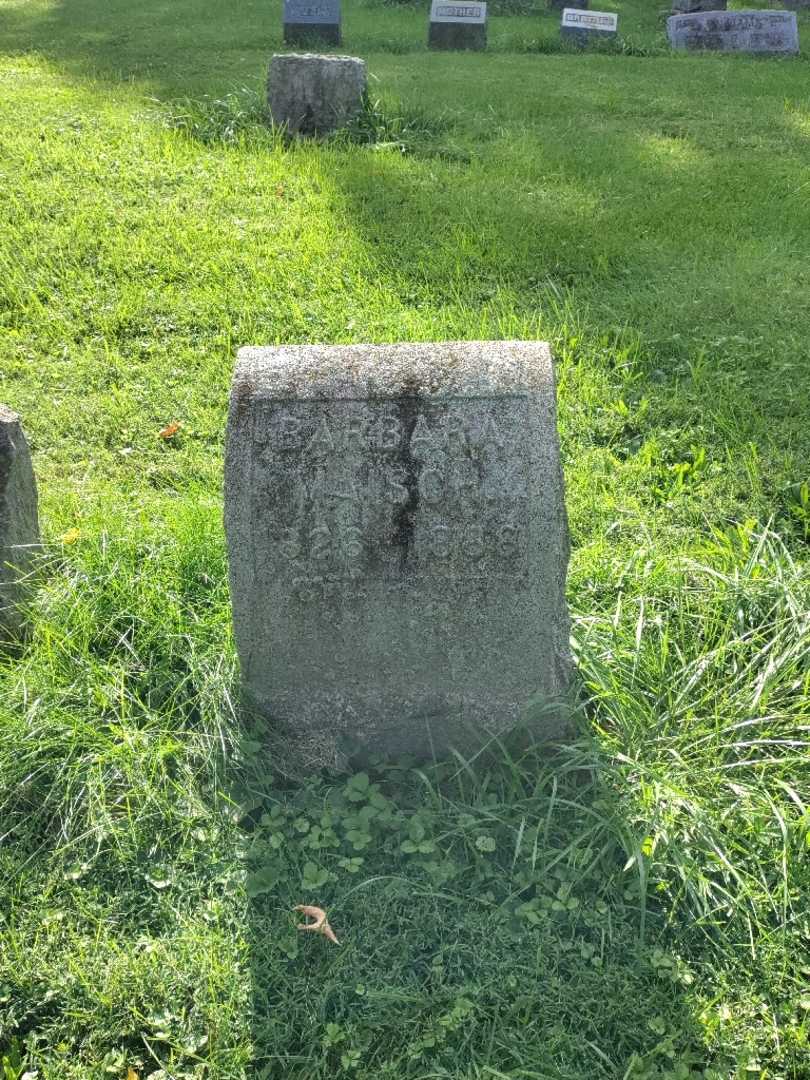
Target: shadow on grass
487	927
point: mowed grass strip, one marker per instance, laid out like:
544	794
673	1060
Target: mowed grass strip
633	906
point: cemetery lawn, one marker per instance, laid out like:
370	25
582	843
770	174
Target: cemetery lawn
632	906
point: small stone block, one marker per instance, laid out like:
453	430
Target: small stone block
307	22
398	545
773	32
313	95
19	524
457	25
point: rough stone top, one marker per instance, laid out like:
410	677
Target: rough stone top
7	416
731	19
321	57
449	369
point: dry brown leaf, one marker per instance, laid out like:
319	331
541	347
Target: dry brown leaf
170	430
321	924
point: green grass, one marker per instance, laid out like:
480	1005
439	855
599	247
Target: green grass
633	906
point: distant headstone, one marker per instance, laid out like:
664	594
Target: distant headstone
558	5
581	26
313	95
19	525
735	31
309	21
398	544
457	25
686	7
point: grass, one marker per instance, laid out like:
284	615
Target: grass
631	906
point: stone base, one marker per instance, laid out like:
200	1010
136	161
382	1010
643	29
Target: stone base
582	38
308	34
457	36
773	32
313	95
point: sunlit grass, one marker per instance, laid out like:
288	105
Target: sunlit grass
632	905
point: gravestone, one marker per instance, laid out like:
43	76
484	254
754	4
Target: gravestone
398	544
735	31
580	26
558	5
686	7
309	21
19	525
313	95
457	25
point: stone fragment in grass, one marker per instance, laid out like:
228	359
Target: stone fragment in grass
19	525
307	22
735	31
457	25
398	545
310	94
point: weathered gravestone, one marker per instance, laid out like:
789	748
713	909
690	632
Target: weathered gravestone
686	7
580	26
19	526
313	95
457	25
735	31
308	21
398	544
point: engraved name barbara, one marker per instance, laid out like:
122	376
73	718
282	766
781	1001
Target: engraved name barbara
351	489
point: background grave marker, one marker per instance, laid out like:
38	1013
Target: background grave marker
457	25
735	31
308	21
19	525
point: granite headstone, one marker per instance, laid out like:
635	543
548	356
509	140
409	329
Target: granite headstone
735	31
580	26
398	544
19	525
457	25
310	21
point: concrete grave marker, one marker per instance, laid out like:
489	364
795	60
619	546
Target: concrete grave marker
308	21
398	544
735	31
19	525
457	25
313	95
580	26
